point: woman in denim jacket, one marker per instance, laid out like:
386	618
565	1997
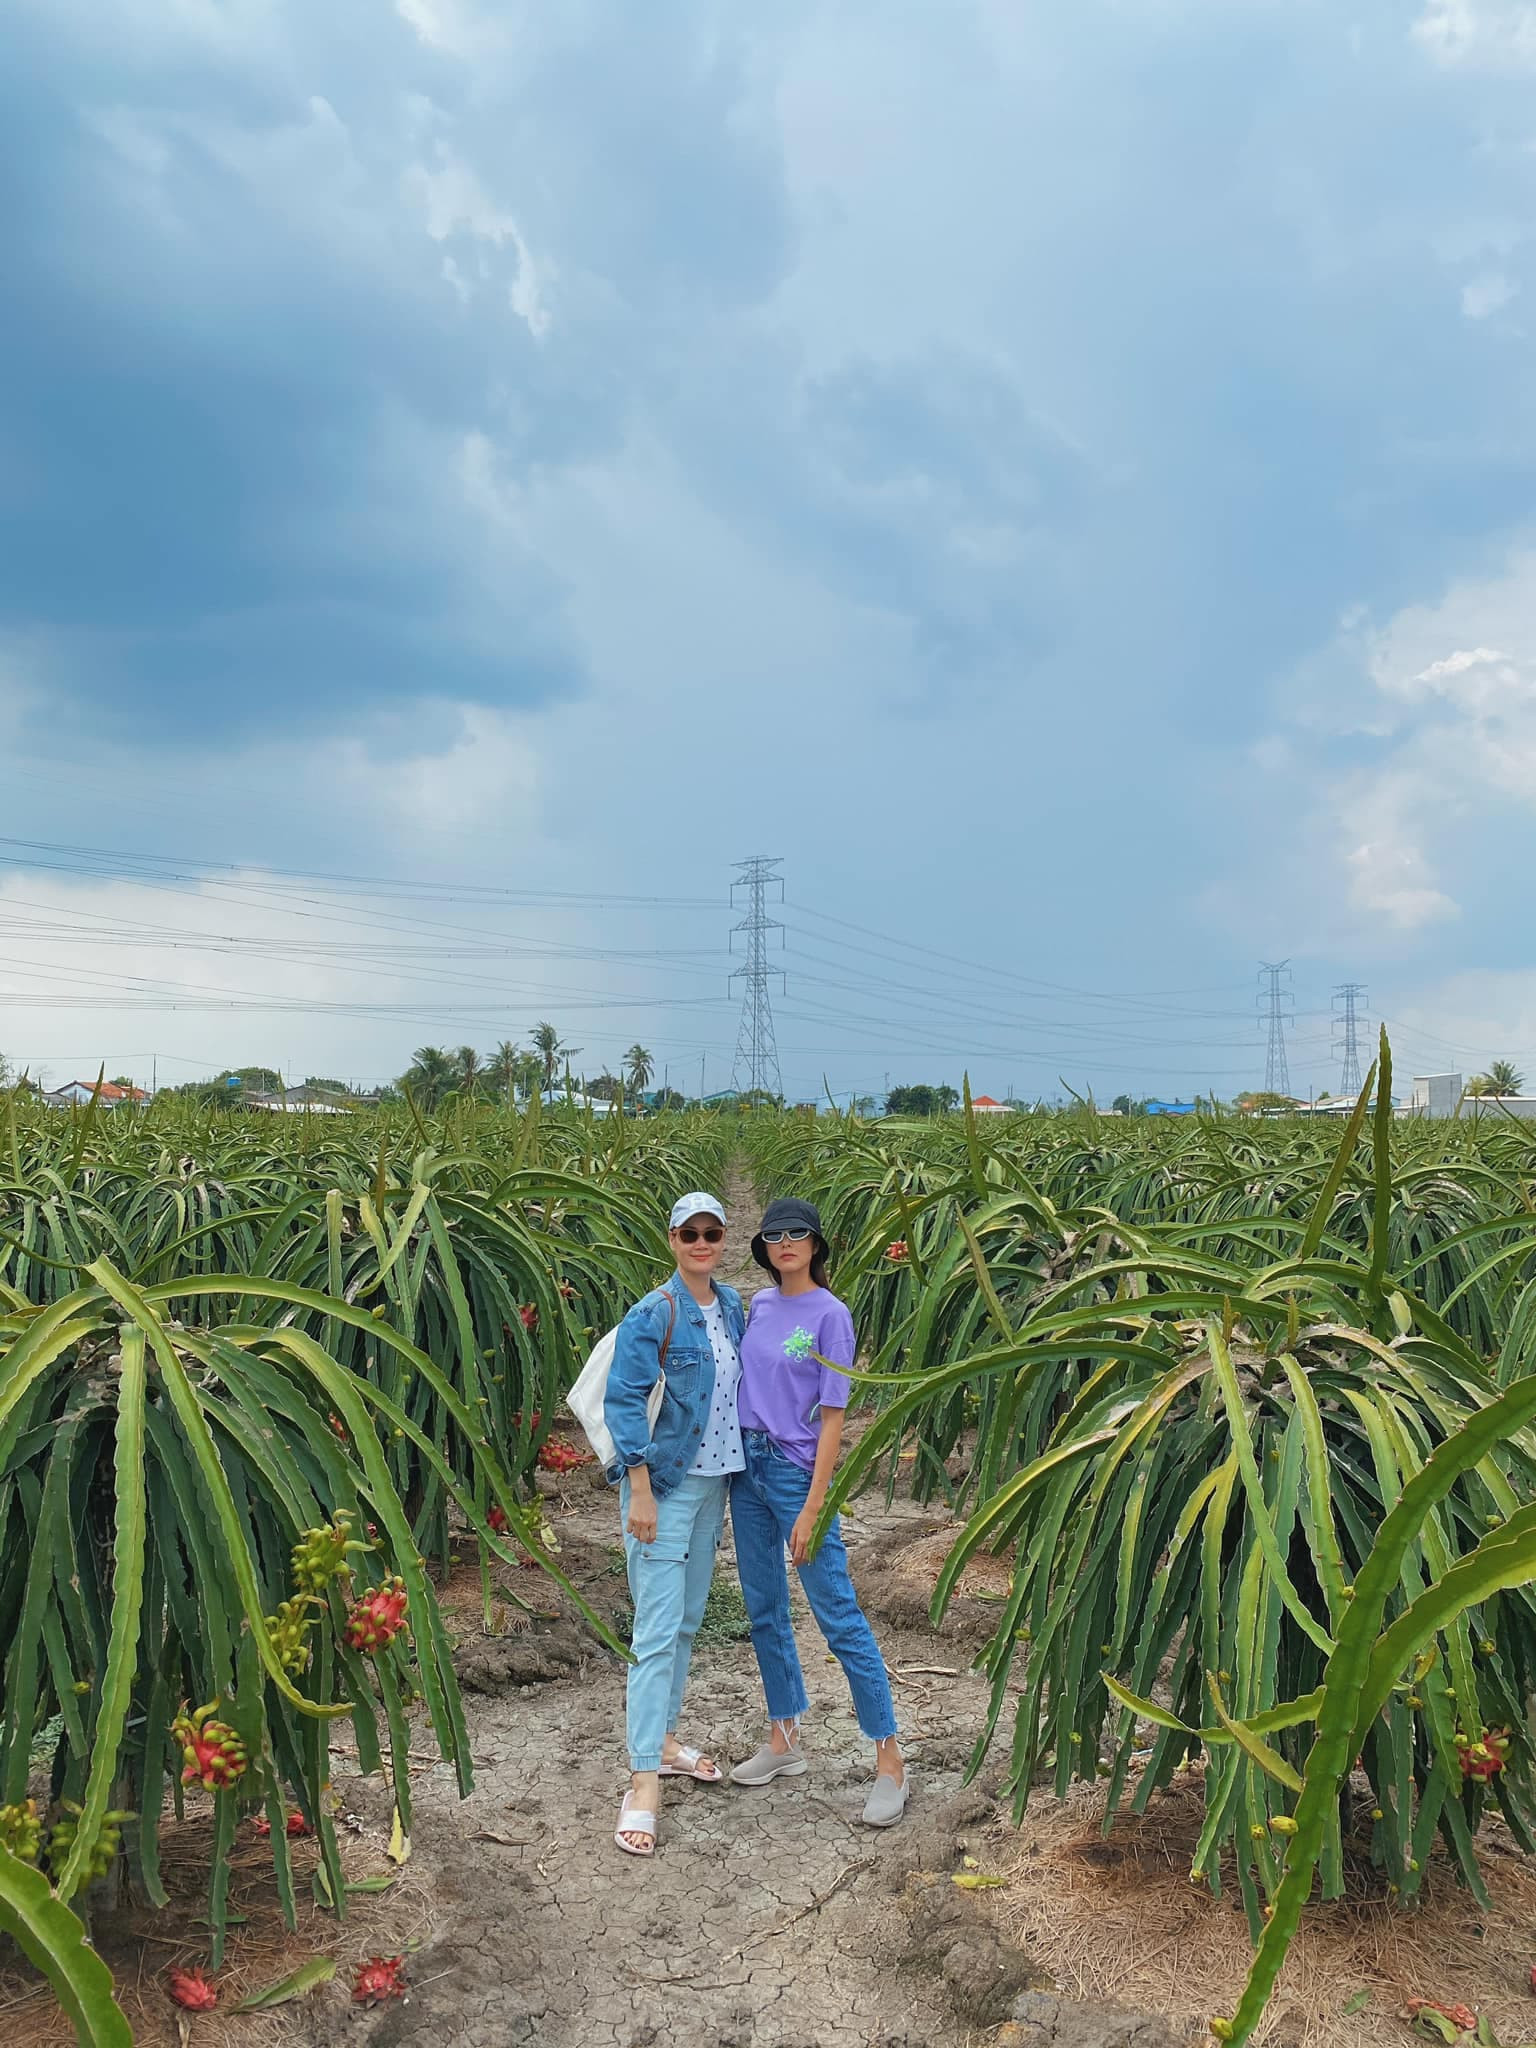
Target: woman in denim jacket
672	1491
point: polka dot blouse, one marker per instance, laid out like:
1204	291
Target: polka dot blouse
721	1448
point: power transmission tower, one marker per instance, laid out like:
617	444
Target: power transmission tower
1347	995
757	1056
1273	1001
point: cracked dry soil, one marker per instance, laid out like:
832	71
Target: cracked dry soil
768	1917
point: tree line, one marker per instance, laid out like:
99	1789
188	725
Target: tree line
512	1072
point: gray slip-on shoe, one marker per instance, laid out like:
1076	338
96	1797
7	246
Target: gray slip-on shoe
769	1763
887	1801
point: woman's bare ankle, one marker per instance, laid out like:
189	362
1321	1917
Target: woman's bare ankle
783	1736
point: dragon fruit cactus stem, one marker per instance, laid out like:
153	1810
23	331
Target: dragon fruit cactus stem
212	1753
378	1617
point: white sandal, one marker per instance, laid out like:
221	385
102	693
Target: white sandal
637	1823
686	1765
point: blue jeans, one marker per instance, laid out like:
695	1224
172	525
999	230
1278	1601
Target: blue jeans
669	1584
765	1501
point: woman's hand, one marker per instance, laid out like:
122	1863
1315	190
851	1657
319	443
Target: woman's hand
800	1535
641	1521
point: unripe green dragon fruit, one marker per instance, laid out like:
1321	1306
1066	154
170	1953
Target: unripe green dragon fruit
21	1831
321	1553
61	1840
288	1631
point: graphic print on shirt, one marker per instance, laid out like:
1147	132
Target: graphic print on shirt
799	1343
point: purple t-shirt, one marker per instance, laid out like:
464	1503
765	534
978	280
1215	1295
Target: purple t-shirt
782	1387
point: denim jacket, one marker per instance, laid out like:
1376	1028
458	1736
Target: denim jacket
690	1371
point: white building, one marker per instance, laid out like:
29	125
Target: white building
1435	1094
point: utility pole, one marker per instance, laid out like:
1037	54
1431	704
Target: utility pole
1276	1004
1346	1018
757	1055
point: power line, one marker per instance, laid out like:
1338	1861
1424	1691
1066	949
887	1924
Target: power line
1348	993
757	1055
1273	999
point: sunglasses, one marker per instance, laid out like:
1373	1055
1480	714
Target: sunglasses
796	1236
711	1234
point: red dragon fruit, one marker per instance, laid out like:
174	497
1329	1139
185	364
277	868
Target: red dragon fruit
1484	1760
213	1754
496	1521
294	1826
378	1978
378	1617
896	1252
529	1315
192	1989
556	1456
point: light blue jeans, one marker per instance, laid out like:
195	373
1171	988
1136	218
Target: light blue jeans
669	1584
766	1499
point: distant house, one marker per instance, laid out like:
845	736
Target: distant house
297	1101
112	1097
987	1105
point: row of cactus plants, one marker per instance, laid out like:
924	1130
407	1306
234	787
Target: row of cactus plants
221	1482
1250	1412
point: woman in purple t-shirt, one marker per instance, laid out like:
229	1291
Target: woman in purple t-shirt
791	1403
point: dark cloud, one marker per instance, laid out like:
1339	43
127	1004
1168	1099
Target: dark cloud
259	298
1080	367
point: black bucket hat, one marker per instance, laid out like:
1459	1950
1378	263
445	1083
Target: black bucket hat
787	1213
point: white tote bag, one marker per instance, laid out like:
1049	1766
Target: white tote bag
585	1400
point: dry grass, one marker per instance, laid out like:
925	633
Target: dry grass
1119	1919
142	1945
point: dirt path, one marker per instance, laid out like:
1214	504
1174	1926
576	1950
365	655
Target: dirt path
767	1917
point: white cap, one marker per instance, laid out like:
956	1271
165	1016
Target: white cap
693	1205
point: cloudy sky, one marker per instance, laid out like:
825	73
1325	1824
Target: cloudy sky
1061	476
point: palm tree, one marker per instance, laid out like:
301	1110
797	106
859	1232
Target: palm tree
504	1065
638	1068
432	1074
546	1043
466	1068
1506	1078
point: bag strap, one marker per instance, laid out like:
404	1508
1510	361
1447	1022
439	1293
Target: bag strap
661	1357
